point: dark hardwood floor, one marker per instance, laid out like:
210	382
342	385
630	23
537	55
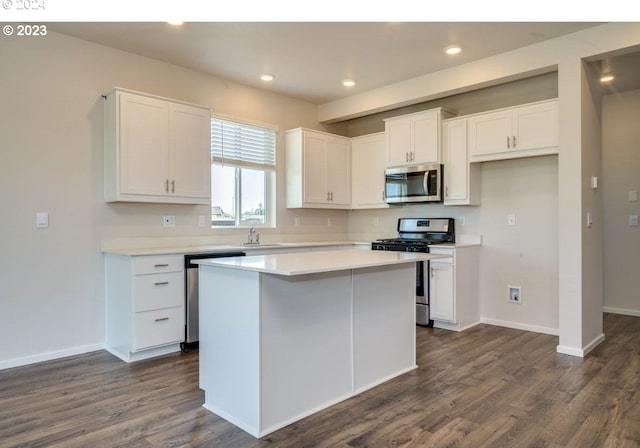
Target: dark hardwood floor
485	387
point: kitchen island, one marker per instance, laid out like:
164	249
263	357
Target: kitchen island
283	336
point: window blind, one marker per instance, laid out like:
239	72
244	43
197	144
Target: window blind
242	145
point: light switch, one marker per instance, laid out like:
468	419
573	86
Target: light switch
633	220
594	182
42	220
589	220
633	195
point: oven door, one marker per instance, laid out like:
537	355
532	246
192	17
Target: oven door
423	311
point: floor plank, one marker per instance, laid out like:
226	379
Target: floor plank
485	387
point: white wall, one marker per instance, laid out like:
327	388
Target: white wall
524	255
621	174
51	159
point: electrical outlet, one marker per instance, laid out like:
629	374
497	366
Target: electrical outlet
511	219
376	221
202	220
515	295
296	221
168	221
42	220
461	221
633	220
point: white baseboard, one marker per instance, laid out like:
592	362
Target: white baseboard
580	352
16	362
519	326
626	312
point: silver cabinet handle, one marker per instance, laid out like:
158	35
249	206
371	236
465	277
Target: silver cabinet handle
508	142
331	195
161	283
173	186
163	265
514	141
446	192
406	156
160	319
166	185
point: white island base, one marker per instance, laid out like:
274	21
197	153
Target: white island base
275	348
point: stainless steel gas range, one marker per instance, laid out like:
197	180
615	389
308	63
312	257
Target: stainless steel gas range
416	235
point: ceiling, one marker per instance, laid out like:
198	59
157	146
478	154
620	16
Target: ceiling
310	59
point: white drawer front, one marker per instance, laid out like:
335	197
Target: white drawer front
443	251
160	327
154	264
152	292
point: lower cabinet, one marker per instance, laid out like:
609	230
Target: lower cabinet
453	288
145	313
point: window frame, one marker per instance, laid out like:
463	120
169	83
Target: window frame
269	179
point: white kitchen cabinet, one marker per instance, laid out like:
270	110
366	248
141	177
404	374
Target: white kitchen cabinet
521	131
461	179
318	169
145	313
156	150
415	138
453	287
368	162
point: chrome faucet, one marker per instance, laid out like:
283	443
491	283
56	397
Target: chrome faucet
253	237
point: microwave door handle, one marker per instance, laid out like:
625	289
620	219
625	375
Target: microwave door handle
425	183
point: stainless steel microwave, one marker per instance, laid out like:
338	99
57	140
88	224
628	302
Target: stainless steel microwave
410	184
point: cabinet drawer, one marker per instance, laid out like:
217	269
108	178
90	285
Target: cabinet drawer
160	327
158	263
442	251
151	292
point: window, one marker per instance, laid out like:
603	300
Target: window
242	174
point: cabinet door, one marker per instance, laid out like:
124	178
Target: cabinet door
315	167
455	161
441	294
488	133
144	147
338	171
536	126
190	151
368	162
398	134
426	141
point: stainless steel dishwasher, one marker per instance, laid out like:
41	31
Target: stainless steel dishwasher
191	293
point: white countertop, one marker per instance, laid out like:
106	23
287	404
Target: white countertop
314	262
215	248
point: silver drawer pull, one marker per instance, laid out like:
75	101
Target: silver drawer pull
161	283
165	265
161	319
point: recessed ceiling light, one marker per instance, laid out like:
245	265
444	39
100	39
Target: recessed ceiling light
348	83
607	77
267	77
175	23
452	49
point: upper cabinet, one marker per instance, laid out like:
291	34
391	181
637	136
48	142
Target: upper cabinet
521	131
368	162
318	169
461	179
156	150
415	138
